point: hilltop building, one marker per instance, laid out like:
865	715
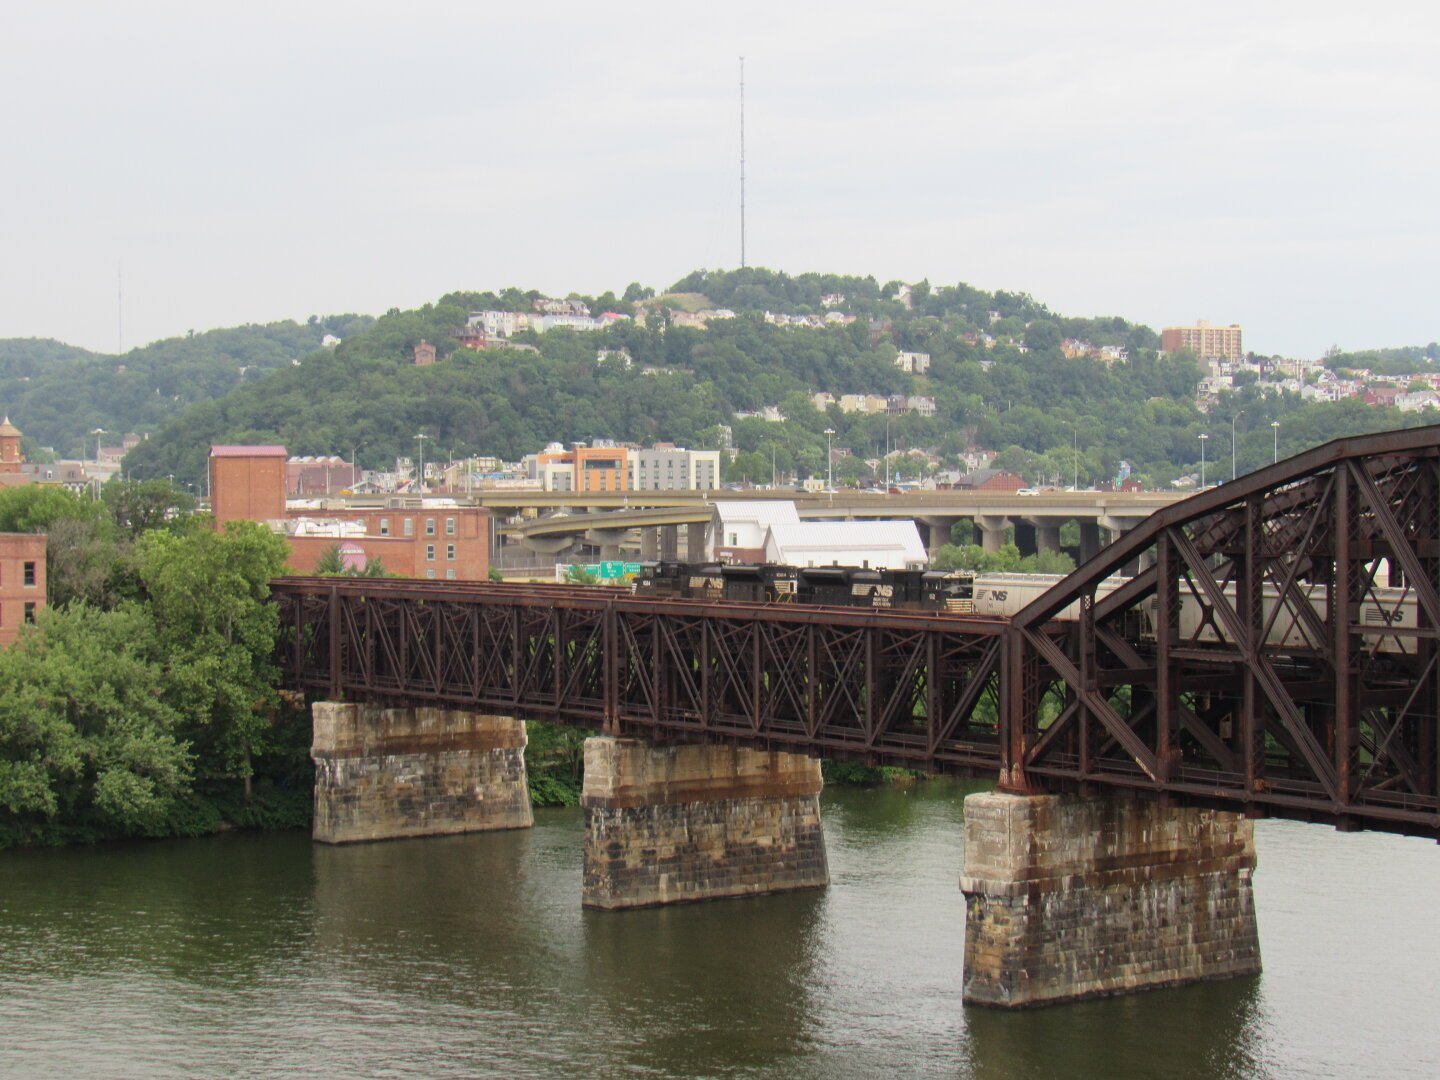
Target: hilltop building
1209	343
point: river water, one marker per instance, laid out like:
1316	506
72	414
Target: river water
265	955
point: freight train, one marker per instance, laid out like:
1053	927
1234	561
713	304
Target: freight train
833	586
999	595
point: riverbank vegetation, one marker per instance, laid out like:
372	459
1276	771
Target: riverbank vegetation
143	701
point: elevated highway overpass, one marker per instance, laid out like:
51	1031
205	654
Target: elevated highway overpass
1036	518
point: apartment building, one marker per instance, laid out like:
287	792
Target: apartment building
1205	341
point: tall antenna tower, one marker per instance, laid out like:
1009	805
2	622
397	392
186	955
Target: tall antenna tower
742	163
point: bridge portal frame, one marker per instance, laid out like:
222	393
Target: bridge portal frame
1338	723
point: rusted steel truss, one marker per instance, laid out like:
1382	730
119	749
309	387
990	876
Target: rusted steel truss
1276	650
883	687
1273	650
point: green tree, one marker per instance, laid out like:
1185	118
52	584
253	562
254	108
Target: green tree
208	593
137	506
330	563
87	736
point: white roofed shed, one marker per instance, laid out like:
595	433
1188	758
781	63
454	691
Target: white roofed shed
880	545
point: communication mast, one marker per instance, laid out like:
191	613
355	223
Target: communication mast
742	163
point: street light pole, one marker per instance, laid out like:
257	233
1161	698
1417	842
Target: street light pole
1203	437
1275	449
829	463
420	474
1232	445
1075	455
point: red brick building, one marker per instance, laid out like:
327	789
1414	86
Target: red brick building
990	480
441	540
318	475
22	581
247	483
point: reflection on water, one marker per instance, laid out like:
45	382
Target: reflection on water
470	956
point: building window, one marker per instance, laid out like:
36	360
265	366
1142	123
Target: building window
429	552
449	526
450	575
429	526
29	611
384	526
450	552
409	527
30	575
430	574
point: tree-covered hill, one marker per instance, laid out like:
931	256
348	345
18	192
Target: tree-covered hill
57	393
998	379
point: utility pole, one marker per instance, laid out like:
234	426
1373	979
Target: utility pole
1233	473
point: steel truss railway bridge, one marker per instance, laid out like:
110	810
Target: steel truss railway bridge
1339	723
1275	655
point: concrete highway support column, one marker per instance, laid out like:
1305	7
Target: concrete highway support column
387	773
1025	537
992	532
1069	897
608	541
935	532
1089	540
670	542
670	824
649	543
695	542
1047	534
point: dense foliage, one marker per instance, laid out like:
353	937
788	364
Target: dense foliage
58	394
1057	419
143	701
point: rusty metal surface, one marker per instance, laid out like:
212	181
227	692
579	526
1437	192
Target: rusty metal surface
887	687
1243	666
1306	683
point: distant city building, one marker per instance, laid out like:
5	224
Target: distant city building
22	580
737	528
247	483
1205	341
670	468
424	354
12	461
914	363
662	467
423	538
318	475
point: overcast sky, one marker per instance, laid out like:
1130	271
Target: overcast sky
1267	163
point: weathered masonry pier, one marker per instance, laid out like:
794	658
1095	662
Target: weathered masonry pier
665	825
383	773
1069	897
1276	651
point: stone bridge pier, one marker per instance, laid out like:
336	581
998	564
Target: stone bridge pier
670	824
381	773
1069	897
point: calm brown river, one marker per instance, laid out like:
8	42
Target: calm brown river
258	956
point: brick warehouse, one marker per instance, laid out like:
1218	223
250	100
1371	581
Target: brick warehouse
439	539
